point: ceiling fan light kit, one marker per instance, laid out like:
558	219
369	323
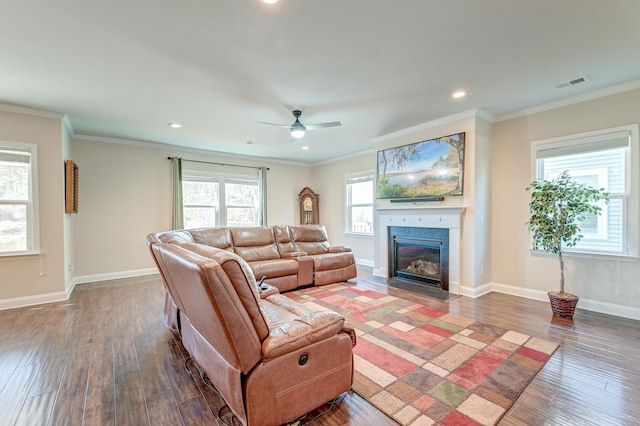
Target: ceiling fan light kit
297	129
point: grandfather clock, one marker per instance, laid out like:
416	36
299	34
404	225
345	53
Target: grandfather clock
308	207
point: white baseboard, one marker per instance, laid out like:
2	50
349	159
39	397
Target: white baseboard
474	291
364	262
84	279
586	304
38	299
68	289
379	272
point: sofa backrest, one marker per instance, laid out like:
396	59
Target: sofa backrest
217	292
311	239
283	239
170	237
213	237
256	243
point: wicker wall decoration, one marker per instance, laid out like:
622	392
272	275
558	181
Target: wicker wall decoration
71	187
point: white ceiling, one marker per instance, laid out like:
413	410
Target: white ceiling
125	69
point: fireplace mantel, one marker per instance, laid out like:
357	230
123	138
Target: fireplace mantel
432	217
448	217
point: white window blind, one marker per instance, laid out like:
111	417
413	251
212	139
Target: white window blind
599	159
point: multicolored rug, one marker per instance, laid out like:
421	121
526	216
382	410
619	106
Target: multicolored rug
424	366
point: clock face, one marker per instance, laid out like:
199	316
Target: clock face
307	205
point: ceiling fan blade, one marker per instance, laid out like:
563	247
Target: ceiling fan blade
285	126
322	125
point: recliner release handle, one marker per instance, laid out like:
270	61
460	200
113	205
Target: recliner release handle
303	359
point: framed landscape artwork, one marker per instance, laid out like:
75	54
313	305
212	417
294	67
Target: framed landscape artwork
432	168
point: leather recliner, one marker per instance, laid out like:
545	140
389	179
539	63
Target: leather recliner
271	358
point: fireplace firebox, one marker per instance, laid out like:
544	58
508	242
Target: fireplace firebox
420	255
418	260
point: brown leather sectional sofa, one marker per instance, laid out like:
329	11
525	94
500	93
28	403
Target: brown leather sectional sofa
288	256
272	359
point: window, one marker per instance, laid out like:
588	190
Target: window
18	195
219	200
600	159
241	203
360	203
200	202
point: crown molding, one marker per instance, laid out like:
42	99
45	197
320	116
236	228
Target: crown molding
18	109
612	90
170	147
473	113
66	122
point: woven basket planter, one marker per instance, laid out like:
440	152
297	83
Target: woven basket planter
563	304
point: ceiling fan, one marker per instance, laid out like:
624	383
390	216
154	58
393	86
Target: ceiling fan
298	129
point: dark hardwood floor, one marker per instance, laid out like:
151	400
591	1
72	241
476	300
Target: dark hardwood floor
106	358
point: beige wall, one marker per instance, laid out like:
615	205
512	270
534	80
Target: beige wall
329	182
125	193
39	277
598	281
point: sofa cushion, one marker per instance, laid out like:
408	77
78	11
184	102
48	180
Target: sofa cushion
213	237
274	268
253	244
170	237
283	240
311	239
329	261
293	325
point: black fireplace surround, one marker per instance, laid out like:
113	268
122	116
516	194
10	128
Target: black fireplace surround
420	255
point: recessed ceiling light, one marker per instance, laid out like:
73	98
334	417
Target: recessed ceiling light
459	94
269	1
306	148
175	125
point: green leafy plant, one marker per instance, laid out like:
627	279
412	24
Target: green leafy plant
556	210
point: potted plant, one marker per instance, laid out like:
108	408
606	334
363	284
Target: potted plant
557	209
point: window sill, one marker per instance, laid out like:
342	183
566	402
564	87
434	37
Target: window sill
589	255
358	235
22	255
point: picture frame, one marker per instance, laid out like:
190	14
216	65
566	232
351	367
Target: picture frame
71	186
429	169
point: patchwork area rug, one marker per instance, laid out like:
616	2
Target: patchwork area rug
424	366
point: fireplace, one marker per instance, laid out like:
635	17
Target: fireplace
420	255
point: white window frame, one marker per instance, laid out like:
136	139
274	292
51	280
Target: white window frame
221	179
33	215
239	181
192	176
630	198
349	220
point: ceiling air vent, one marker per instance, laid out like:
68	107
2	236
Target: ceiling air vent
571	82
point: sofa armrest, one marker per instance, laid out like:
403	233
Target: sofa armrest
302	331
293	254
339	249
348	329
267	290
